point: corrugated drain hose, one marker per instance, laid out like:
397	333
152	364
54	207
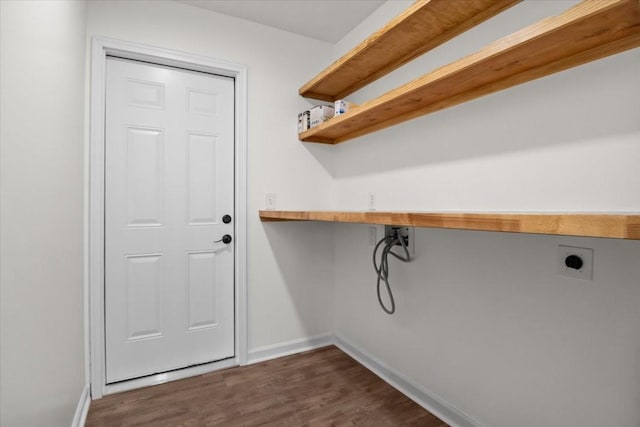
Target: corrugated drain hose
383	269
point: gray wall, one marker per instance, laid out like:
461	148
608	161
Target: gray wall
42	181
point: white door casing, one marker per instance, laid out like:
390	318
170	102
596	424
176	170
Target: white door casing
168	182
101	47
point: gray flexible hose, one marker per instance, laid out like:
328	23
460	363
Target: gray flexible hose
383	270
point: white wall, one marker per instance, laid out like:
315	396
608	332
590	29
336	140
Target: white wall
290	271
482	319
41	303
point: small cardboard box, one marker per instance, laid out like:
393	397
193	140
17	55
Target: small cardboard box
303	121
320	113
342	106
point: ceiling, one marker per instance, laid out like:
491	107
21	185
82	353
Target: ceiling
327	20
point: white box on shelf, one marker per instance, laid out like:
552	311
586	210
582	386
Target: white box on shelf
320	113
303	121
341	107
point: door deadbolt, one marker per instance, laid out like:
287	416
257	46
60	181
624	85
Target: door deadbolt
226	219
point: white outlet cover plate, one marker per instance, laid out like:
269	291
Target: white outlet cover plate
373	235
586	272
270	201
371	201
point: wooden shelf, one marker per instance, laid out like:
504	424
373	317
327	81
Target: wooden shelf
588	31
615	226
423	26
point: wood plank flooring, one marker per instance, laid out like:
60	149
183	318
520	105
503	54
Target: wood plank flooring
323	387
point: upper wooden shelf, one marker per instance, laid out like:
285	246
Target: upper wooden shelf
615	226
423	26
591	30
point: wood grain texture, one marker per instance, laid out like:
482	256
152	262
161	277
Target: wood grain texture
616	226
591	30
323	387
420	28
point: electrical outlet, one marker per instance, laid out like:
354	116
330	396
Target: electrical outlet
373	238
407	232
270	201
575	262
372	201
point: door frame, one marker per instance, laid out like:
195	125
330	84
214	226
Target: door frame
101	47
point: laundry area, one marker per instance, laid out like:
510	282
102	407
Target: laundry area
319	212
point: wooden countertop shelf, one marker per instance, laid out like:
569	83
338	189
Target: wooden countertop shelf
423	26
591	30
615	226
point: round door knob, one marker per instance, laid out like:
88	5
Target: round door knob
226	219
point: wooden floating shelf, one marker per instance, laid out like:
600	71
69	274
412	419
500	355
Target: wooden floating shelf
423	26
586	32
615	226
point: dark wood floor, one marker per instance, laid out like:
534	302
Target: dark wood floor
323	387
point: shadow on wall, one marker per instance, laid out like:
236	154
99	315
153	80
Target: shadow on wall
304	256
582	104
323	154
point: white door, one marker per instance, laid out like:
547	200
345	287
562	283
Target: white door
169	181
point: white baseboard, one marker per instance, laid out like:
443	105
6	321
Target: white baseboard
82	409
260	354
428	400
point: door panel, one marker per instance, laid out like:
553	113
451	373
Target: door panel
203	182
203	298
144	159
144	308
169	289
